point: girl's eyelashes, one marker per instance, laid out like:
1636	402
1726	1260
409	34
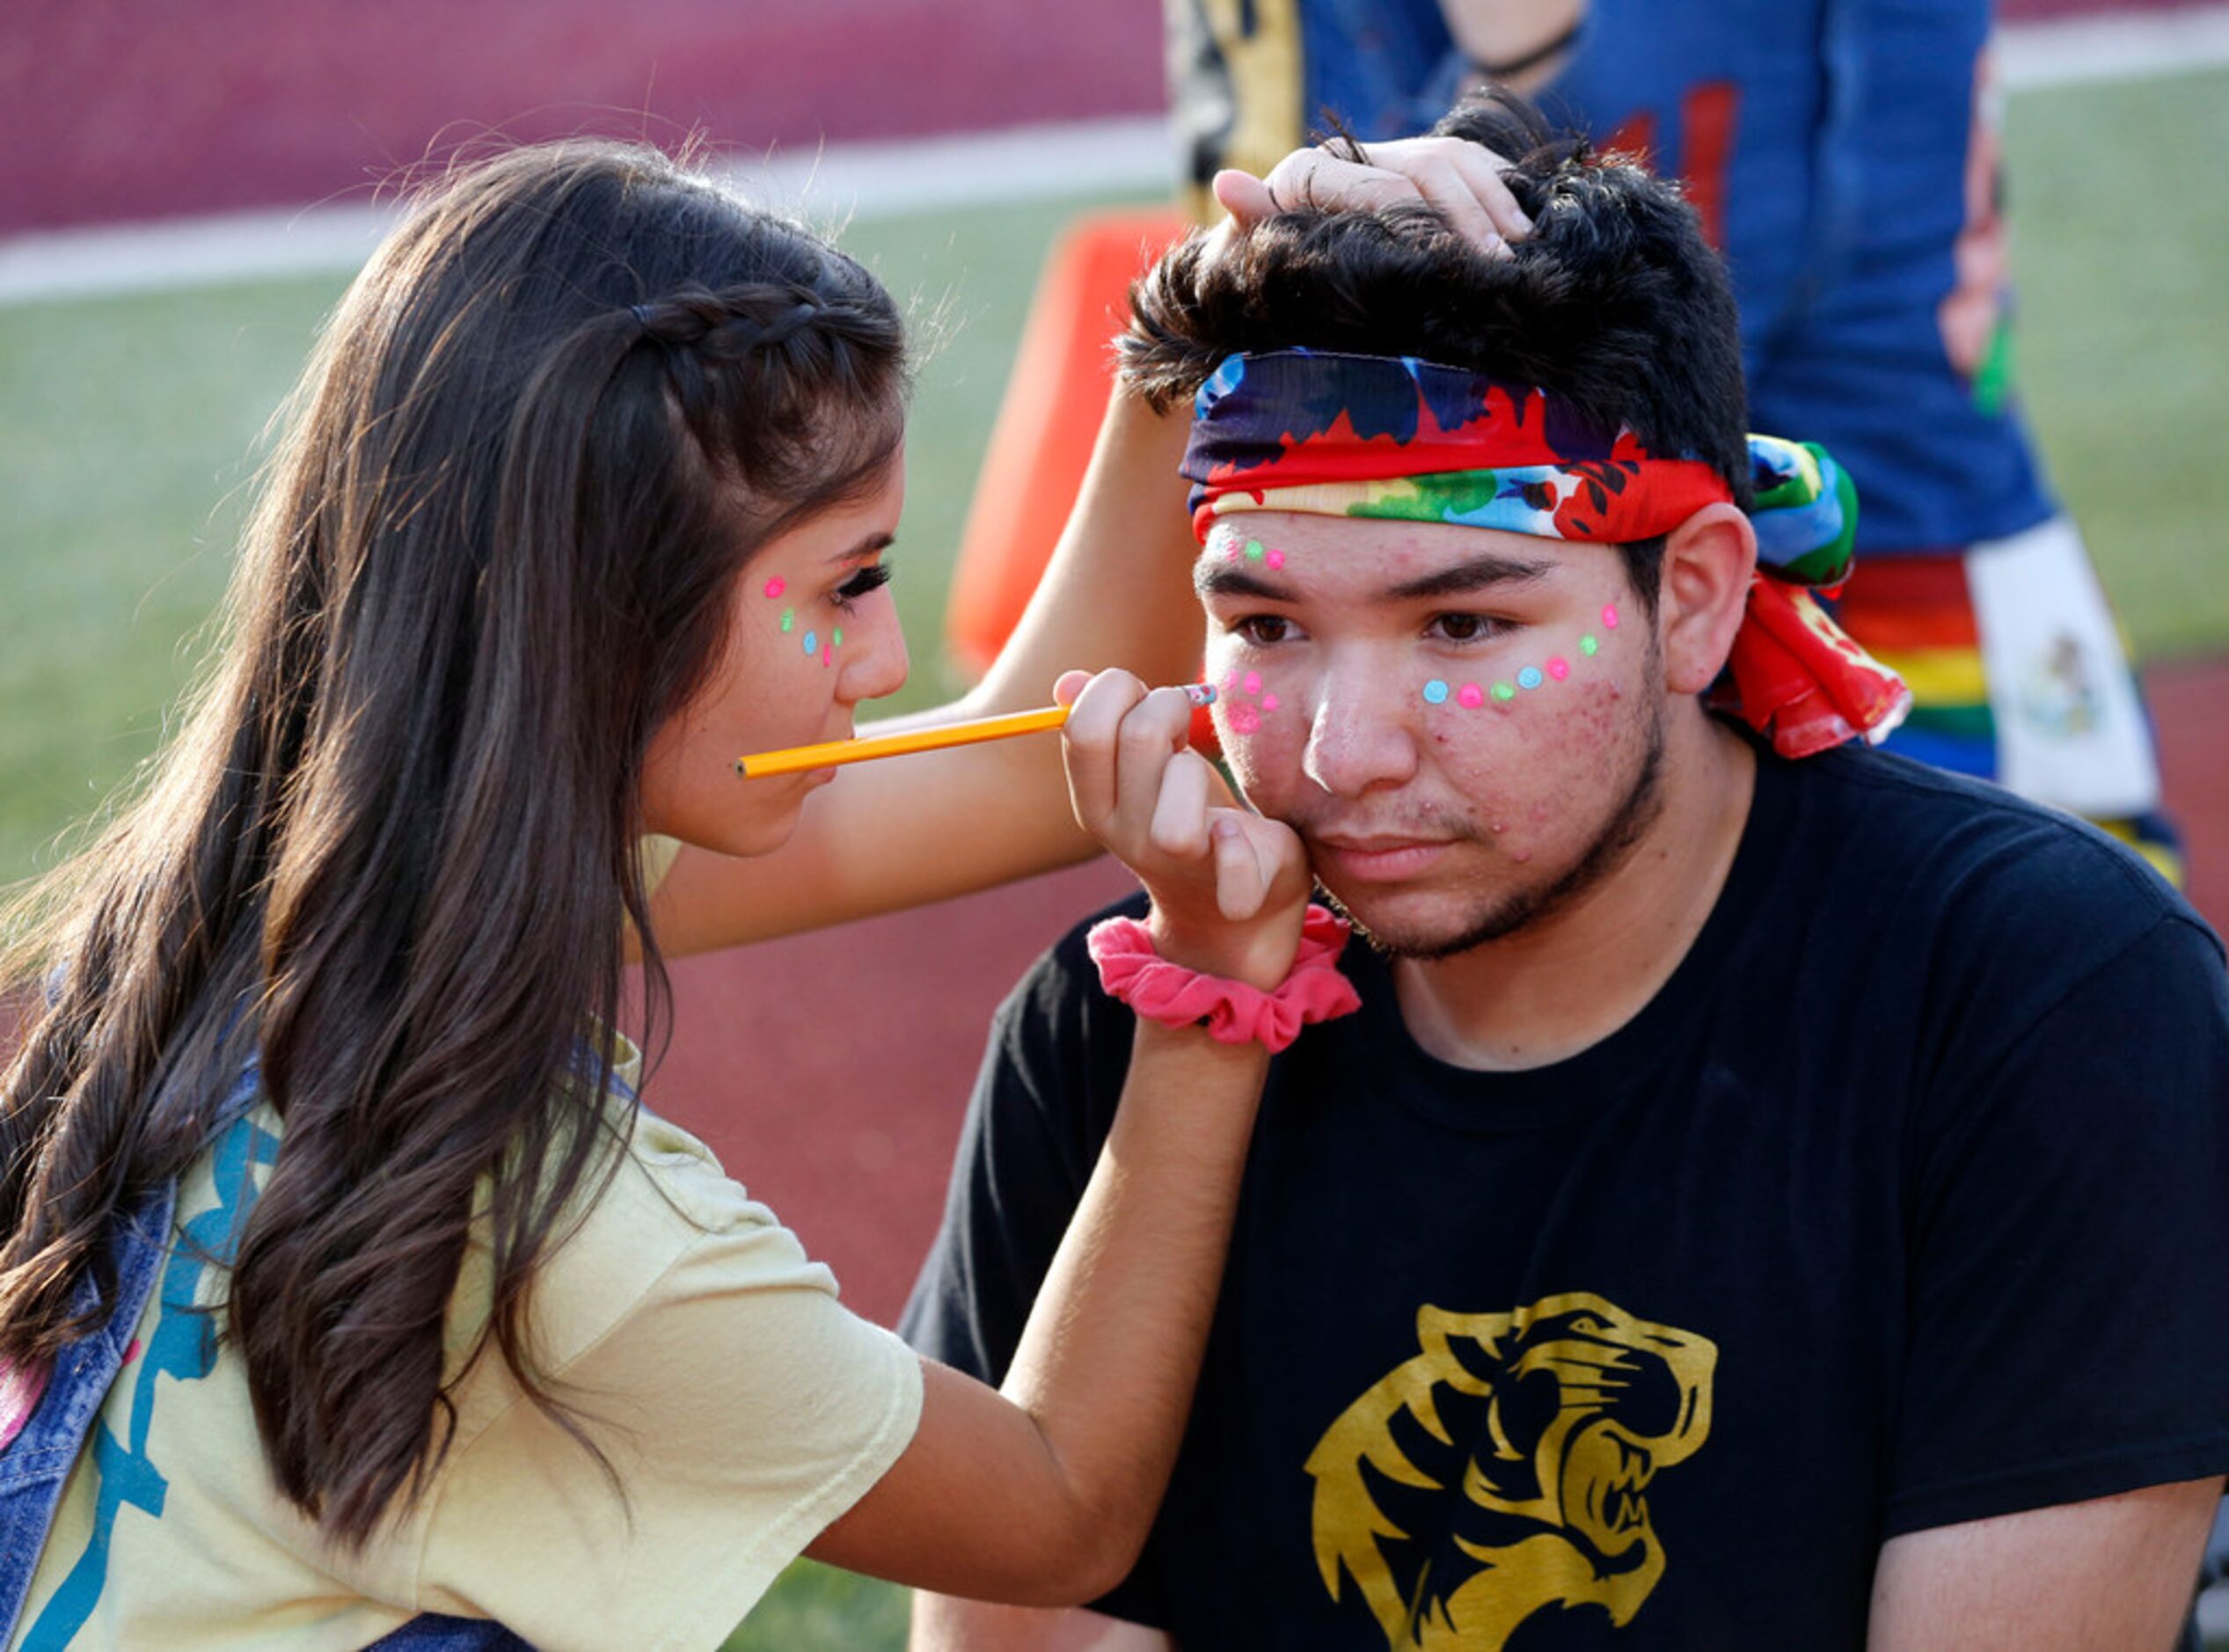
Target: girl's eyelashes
868	579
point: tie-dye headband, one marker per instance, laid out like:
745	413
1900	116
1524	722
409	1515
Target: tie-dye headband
1337	435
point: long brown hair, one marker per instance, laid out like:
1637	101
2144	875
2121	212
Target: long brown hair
389	853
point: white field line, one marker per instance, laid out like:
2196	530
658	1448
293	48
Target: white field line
842	182
830	187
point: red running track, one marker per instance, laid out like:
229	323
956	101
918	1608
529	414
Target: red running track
113	110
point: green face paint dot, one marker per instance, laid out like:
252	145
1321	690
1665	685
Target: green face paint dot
789	619
1254	552
835	640
1588	646
1504	692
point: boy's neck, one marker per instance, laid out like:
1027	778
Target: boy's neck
1566	982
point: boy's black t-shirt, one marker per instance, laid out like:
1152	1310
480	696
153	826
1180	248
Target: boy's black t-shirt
1902	1205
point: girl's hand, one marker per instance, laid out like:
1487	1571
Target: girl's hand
1461	179
1230	888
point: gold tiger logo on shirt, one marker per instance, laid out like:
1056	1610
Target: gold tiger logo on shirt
1584	1404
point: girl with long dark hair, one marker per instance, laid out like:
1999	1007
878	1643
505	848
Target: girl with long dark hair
346	1293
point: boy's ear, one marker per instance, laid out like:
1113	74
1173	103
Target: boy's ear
1703	594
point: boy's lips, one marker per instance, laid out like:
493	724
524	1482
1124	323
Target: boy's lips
1379	860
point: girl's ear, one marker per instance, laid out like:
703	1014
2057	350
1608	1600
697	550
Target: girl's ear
1708	562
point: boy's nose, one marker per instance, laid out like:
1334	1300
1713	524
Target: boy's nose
1359	736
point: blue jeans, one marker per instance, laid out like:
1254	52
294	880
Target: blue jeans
36	1463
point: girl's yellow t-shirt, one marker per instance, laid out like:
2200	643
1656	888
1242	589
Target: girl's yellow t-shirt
742	1407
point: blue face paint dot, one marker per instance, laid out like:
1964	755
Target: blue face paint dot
812	642
1435	691
1530	678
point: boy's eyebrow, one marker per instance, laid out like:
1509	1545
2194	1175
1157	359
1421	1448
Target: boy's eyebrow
1218	577
1476	574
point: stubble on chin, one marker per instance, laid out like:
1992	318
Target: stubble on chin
1498	917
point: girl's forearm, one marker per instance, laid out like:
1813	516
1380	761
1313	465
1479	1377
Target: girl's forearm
1109	1360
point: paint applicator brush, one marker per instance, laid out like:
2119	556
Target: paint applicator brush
797	759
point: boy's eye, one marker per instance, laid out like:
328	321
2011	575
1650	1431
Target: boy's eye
1463	627
1262	630
871	577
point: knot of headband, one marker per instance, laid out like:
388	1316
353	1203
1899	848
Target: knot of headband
1337	435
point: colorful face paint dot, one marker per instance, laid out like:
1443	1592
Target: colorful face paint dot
1242	718
1504	692
1254	553
1610	617
1253	682
1471	695
1530	678
1588	645
812	642
836	639
775	587
1559	668
789	619
1435	691
1268	702
1275	558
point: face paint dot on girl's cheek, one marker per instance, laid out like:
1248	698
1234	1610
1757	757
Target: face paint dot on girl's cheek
1471	695
1559	668
812	642
1435	691
1587	646
1504	692
836	639
1610	617
775	587
1268	702
1530	678
1275	558
1253	682
789	619
1254	553
1242	718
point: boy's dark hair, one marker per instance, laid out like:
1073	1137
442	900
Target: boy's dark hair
1614	302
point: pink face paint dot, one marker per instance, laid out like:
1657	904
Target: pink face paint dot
1253	682
1610	617
1559	668
1470	695
1242	718
775	587
1275	558
1268	702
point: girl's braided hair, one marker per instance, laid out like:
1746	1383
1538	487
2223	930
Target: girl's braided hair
391	854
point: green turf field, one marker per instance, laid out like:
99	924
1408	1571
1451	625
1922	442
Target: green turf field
128	427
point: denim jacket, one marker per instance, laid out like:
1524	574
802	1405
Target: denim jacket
35	1465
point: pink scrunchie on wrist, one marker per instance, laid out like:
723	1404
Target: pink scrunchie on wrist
1236	1013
